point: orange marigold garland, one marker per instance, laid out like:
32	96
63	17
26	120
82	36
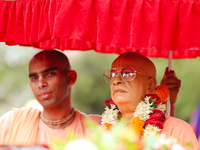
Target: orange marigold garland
162	92
108	125
138	124
148	117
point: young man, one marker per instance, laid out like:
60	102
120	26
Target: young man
51	79
132	76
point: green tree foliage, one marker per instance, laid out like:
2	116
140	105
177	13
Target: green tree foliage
14	81
90	91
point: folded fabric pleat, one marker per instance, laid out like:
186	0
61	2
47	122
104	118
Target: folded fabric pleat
150	27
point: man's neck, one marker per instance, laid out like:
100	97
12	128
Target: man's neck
58	114
127	113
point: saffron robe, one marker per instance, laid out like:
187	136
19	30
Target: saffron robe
180	129
24	127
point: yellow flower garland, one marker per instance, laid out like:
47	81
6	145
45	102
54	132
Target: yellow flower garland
162	92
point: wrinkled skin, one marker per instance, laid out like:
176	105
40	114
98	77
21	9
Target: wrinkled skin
127	94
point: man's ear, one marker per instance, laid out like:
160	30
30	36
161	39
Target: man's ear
152	85
72	75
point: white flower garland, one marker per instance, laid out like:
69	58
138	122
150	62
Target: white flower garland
143	111
110	115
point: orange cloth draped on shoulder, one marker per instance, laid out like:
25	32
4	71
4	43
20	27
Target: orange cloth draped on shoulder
181	129
24	127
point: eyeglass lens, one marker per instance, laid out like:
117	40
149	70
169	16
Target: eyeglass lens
127	74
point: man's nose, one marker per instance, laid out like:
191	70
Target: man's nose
42	83
117	79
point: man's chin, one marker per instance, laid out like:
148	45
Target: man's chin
47	102
120	99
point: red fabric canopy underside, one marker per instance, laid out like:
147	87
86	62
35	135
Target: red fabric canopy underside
150	27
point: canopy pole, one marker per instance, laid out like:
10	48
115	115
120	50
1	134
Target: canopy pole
170	61
169	68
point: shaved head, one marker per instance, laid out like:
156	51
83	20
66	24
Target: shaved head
54	56
137	61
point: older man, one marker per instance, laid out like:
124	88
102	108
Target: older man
131	77
51	79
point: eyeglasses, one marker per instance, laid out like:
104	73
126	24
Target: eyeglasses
127	74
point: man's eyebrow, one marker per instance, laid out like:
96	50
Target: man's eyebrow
46	70
49	69
32	74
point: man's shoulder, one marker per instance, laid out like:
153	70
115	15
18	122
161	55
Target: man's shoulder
177	127
181	129
87	115
26	110
24	113
172	123
18	114
173	120
95	117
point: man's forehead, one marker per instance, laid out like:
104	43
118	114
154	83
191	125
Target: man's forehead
125	62
39	65
137	61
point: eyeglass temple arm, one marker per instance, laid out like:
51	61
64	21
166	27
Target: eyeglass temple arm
144	74
106	76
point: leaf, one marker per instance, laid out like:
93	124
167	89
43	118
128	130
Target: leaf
189	144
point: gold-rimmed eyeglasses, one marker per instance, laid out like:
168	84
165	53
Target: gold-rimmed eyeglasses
126	73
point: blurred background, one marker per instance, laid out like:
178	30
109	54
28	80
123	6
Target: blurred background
90	91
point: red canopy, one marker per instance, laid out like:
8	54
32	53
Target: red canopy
150	27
